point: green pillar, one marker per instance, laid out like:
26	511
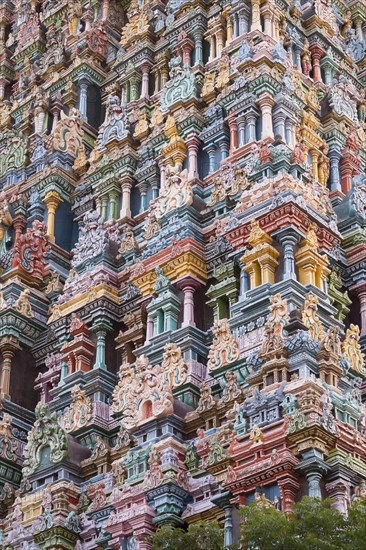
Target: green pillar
170	321
100	329
64	372
160	321
105	208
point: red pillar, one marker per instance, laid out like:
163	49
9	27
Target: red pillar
316	55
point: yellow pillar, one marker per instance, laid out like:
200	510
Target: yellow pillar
307	274
229	29
312	266
212	48
73	26
5	373
261	261
256	16
322	272
323	170
219	42
314	160
268	269
307	262
52	200
319	278
254	273
8	351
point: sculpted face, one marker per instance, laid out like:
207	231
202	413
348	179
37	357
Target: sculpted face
257	496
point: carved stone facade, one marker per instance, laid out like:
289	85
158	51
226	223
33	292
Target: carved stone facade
182	264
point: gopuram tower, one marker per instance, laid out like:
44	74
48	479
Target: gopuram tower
182	264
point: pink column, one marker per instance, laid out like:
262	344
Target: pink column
188	311
105	10
193	145
346	175
88	18
126	199
266	103
162	167
288	489
339	492
3	83
362	298
188	286
187	55
233	126
145	69
316	55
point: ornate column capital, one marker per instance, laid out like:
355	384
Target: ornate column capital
52	199
266	100
127	181
9	345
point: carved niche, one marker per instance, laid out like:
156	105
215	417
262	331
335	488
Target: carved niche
80	411
144	391
46	432
224	348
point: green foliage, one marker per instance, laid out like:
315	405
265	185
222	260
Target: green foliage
317	525
199	536
168	538
265	528
313	524
205	536
356	526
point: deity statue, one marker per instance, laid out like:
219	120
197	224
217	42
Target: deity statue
310	318
359	492
352	349
347	23
23	305
115	125
6	221
261	500
207	400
